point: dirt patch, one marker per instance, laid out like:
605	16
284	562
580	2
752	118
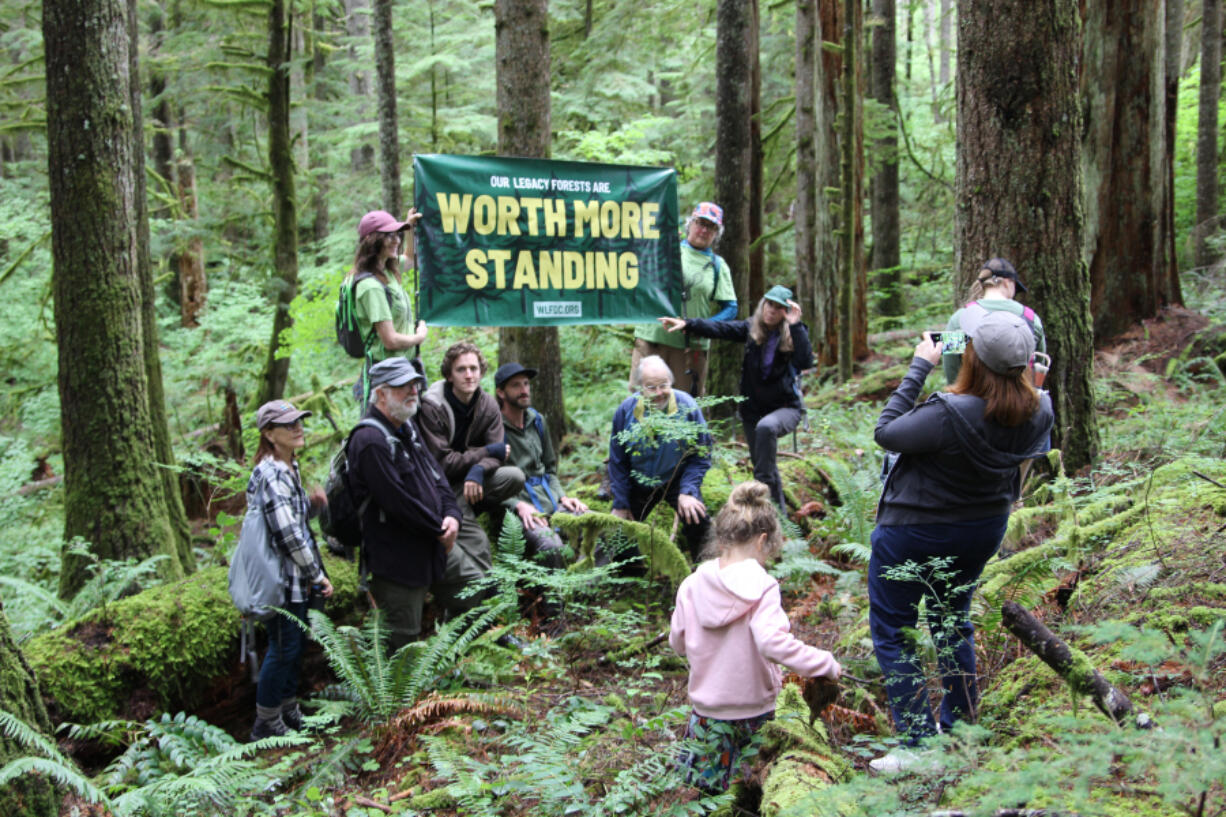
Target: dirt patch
1149	345
93	634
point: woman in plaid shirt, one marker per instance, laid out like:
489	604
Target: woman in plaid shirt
276	491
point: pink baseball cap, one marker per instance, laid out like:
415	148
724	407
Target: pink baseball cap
711	211
379	221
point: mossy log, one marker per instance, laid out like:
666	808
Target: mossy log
660	553
1069	663
170	647
804	764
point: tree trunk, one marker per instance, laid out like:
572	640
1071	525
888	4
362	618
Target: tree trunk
285	206
115	498
33	795
151	344
830	66
946	45
522	55
757	255
884	185
1174	57
385	83
163	119
804	217
1127	198
357	27
937	118
193	285
733	146
847	189
1018	184
1206	130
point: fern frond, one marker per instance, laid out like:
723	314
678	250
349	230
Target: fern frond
854	551
27	736
446	648
58	770
435	708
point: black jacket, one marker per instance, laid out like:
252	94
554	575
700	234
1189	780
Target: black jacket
954	465
409	499
777	389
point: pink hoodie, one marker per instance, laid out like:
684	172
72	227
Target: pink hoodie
731	626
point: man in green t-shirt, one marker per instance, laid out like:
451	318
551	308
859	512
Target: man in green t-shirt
707	293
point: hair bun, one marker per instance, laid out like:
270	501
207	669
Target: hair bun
750	493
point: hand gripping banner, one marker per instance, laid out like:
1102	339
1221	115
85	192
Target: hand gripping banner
535	242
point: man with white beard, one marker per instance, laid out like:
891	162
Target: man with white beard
410	517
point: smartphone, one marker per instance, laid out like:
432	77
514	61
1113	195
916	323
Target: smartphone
936	337
955	342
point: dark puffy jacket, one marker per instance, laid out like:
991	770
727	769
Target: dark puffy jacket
954	465
409	497
776	388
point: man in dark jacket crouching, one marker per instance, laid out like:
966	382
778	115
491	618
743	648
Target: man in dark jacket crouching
410	523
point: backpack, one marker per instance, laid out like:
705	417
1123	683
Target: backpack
348	332
342	516
257	582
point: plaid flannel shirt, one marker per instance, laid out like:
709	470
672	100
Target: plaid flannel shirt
276	489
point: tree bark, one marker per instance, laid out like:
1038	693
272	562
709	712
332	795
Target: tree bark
830	66
1018	184
522	55
385	84
357	27
804	217
847	281
884	185
1071	665
1206	130
1128	203
33	796
285	205
733	145
757	255
193	285
115	495
1174	58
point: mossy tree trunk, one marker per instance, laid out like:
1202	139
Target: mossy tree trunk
1128	197
884	185
733	145
824	321
32	796
1019	183
284	201
847	193
523	60
385	87
1206	130
756	285
805	216
116	494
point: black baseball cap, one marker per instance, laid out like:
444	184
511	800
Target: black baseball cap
508	370
1001	269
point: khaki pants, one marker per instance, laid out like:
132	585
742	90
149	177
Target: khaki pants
689	366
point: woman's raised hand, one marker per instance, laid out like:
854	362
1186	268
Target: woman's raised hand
673	324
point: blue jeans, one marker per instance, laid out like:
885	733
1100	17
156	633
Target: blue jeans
946	588
282	662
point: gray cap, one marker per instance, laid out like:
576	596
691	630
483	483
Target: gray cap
278	412
1003	341
395	371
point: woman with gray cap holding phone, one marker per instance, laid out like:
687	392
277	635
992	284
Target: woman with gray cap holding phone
994	289
943	512
777	350
275	491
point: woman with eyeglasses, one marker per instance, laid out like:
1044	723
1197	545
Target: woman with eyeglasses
384	309
275	491
994	289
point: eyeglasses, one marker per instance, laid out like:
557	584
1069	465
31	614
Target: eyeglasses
654	388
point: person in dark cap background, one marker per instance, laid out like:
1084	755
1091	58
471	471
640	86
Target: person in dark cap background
994	289
777	350
531	450
411	522
275	492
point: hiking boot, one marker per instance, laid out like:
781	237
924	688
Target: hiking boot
292	718
268	727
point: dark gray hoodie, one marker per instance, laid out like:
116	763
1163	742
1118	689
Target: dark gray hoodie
954	465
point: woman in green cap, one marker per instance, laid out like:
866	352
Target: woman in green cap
777	350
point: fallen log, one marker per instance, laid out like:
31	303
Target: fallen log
1069	663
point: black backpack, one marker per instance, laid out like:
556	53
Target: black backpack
348	332
342	516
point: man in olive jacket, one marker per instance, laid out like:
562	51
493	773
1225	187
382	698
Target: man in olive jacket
410	518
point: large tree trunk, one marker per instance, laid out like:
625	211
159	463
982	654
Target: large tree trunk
389	134
1174	58
733	144
1128	202
115	495
830	65
1206	130
522	56
884	185
33	795
847	191
150	341
757	255
357	27
1018	183
284	205
804	217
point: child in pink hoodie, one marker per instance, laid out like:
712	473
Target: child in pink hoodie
731	626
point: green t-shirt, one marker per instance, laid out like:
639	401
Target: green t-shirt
952	363
372	306
707	290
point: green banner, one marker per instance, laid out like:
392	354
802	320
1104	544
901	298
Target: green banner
534	242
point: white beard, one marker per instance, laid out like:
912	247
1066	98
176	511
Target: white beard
403	412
